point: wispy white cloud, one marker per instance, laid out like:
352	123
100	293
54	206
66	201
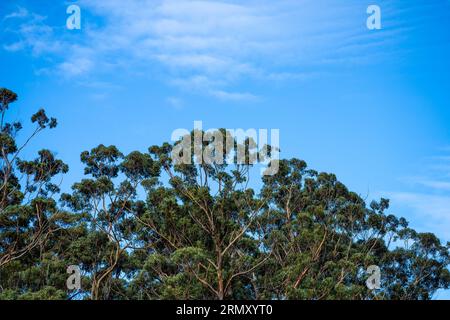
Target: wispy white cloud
175	102
436	185
15	46
211	45
76	67
433	211
428	195
19	13
31	32
234	96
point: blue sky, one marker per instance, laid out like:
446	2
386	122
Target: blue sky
371	106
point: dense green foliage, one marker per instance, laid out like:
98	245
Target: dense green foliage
140	226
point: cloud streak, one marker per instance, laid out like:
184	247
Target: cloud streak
429	195
224	43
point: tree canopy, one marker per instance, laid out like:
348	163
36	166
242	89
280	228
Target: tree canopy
141	226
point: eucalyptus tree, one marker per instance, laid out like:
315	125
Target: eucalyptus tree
30	220
182	222
108	201
200	223
323	237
